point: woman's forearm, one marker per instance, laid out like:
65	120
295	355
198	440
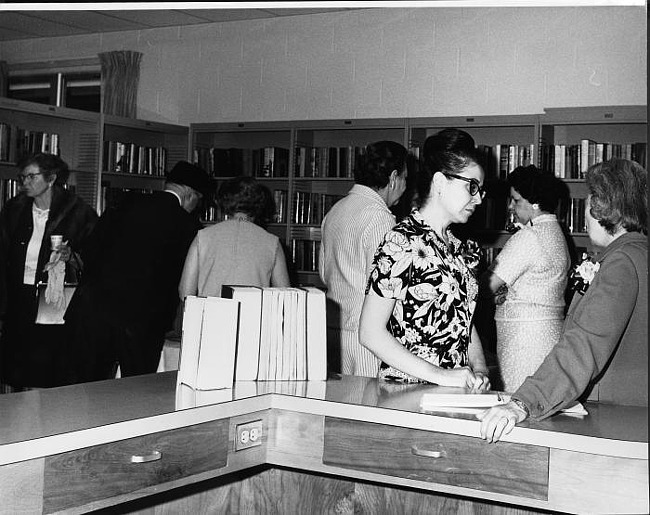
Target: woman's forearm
475	352
388	349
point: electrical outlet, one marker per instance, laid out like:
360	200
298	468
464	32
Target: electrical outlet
248	435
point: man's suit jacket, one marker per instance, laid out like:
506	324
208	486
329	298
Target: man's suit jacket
134	260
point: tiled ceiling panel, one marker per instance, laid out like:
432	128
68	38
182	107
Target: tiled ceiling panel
32	26
160	18
221	15
22	24
87	21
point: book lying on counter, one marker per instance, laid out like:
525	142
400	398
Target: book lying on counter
476	402
462	402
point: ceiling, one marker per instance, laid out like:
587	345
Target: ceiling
23	24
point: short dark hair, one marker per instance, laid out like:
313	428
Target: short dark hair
537	187
248	196
48	165
378	162
619	195
449	150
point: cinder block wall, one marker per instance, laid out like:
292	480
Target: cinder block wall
389	62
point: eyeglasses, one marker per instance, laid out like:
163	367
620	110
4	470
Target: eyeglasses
474	186
27	177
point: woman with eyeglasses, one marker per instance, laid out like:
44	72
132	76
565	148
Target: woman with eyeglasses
528	278
33	355
421	294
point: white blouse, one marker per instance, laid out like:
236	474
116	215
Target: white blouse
39	216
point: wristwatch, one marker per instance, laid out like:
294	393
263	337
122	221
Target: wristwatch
520	405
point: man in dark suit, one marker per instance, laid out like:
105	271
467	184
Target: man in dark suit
127	298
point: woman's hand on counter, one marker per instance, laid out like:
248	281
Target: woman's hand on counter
481	382
462	377
500	420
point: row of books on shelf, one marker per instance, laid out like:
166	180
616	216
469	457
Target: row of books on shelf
235	162
566	161
31	142
575	216
500	160
120	157
341	161
327	161
310	208
5	141
212	213
304	254
27	142
280	202
9	188
572	161
497	160
113	197
253	334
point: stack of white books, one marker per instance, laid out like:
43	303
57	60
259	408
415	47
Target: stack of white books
252	333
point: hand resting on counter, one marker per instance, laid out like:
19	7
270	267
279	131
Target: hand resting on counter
500	420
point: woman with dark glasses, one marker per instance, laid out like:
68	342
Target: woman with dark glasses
421	294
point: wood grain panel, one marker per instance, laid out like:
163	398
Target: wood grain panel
375	499
504	467
81	477
21	487
279	491
297	439
578	481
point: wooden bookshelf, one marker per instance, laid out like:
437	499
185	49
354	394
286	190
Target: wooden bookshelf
136	155
256	149
333	149
76	131
82	137
321	162
569	143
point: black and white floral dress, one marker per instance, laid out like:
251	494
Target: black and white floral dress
435	289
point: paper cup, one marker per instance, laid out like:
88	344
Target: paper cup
56	240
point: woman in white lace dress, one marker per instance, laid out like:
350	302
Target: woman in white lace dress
529	276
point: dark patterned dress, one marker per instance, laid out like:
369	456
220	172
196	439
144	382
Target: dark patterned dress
435	289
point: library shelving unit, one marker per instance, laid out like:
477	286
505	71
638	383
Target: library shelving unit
307	165
572	139
137	154
325	154
255	149
27	127
87	141
321	156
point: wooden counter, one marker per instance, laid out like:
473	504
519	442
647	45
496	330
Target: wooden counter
351	444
